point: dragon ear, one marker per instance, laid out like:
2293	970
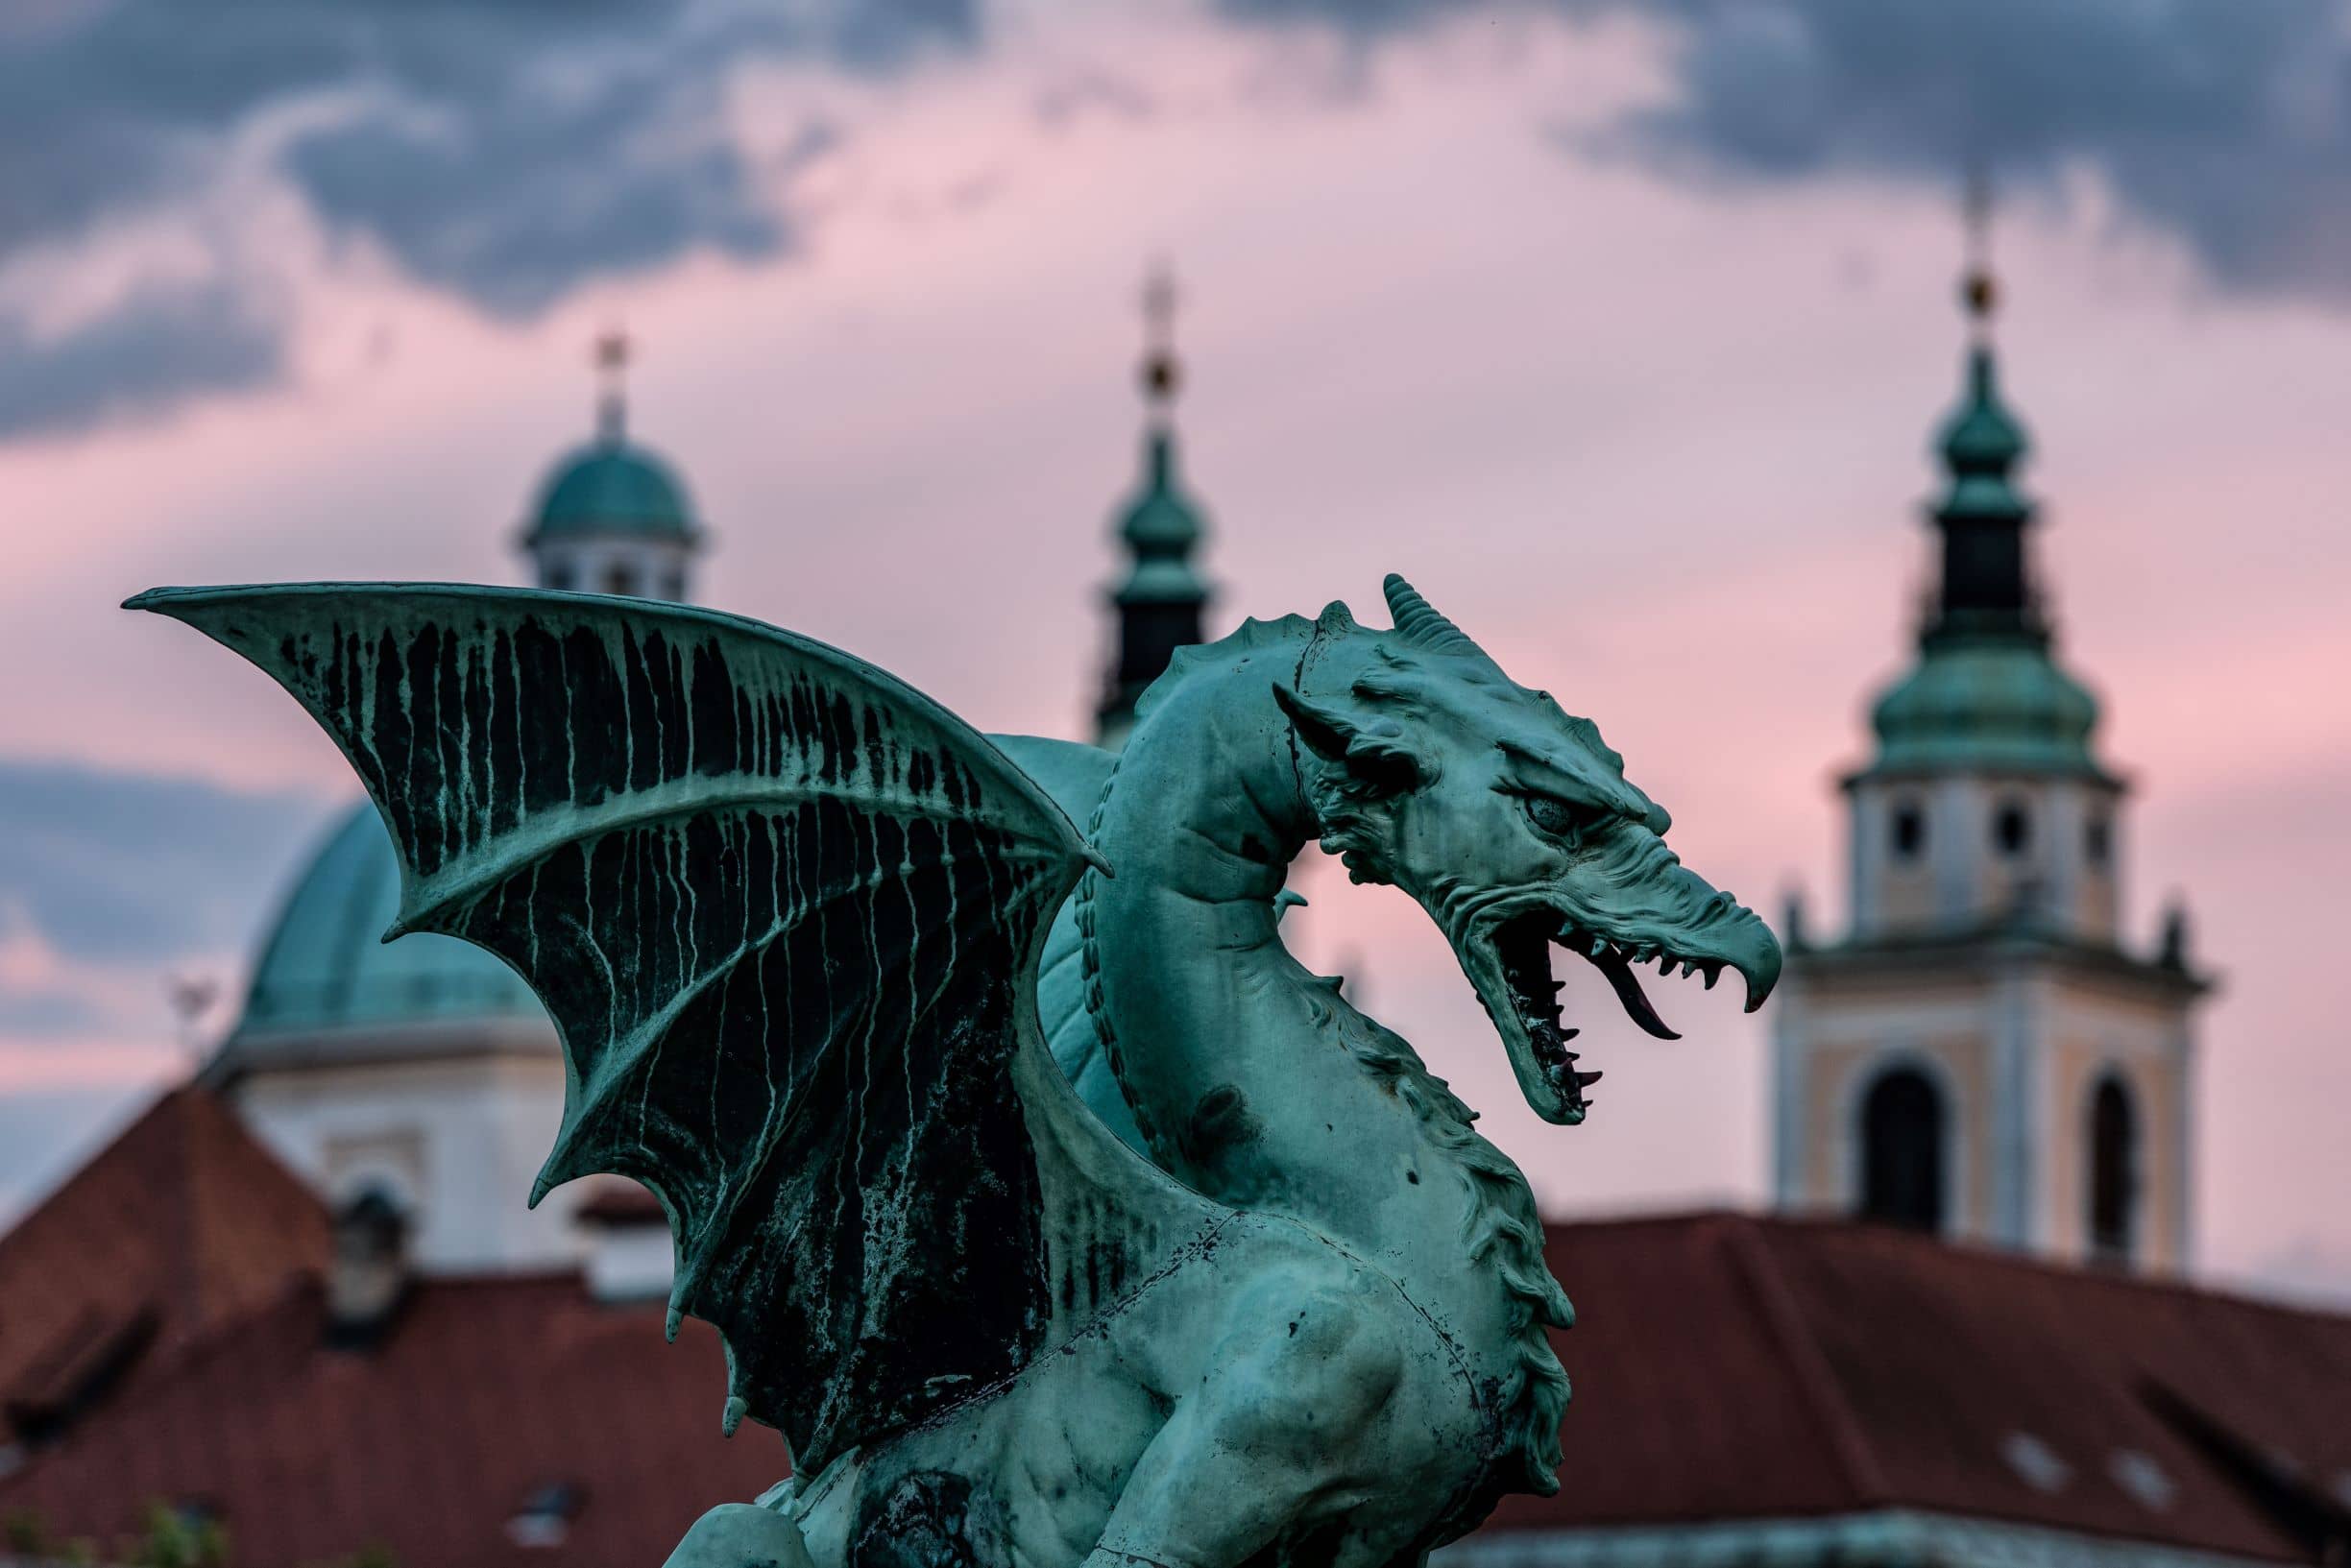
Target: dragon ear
1374	754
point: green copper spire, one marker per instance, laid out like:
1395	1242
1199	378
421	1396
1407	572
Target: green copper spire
1985	693
1986	587
1160	599
1981	443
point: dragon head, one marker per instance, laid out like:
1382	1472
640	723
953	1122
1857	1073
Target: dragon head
1513	823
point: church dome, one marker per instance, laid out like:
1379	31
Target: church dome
613	487
325	966
1998	704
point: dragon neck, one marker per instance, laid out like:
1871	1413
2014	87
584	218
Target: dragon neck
1250	1077
1196	997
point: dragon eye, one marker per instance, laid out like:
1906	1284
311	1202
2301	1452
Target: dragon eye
1555	817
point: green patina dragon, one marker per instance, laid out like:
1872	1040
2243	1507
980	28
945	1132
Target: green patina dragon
1048	1206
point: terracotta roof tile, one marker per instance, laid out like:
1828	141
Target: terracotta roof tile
484	1394
1738	1367
179	1225
1728	1367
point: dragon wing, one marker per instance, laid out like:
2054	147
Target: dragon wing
786	913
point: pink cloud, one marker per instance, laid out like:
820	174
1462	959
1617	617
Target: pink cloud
1662	449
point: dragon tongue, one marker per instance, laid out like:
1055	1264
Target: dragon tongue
1620	979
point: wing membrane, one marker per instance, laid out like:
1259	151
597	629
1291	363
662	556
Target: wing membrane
783	911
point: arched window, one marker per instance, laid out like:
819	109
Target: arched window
1909	830
2114	1171
2012	829
620	579
1901	1151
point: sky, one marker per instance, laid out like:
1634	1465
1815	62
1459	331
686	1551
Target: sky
1620	326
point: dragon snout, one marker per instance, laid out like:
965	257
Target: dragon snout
1695	928
1684	926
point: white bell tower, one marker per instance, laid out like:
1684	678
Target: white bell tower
1981	1054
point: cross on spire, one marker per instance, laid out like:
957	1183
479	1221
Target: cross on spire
1978	290
611	358
1162	374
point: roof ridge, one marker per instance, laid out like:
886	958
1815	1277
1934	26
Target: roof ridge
40	1199
1815	1381
2235	1294
2105	1279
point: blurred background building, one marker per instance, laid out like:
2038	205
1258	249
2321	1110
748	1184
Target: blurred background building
300	1298
1980	1056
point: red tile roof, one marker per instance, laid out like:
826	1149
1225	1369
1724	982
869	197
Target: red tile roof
1731	1366
179	1225
484	1394
621	1204
1728	1368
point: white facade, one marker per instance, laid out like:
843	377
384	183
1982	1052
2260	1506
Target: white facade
454	1139
636	565
1954	851
2016	1036
1978	1006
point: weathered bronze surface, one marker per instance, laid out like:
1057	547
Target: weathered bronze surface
1256	1289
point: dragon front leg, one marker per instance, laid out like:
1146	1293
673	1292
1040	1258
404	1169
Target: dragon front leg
741	1536
1290	1436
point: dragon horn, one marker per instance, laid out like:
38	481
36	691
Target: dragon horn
1419	624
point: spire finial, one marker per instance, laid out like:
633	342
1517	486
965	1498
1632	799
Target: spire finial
1978	291
1162	374
612	357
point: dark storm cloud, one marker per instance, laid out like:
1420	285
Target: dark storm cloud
505	151
118	867
153	348
2224	122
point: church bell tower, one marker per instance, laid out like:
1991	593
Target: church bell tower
1160	600
1982	1055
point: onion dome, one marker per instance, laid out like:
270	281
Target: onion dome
612	485
1160	527
1980	443
1992	706
612	488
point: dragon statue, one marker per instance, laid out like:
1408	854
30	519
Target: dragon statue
1051	1211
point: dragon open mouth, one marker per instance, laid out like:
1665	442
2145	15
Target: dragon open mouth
1511	970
